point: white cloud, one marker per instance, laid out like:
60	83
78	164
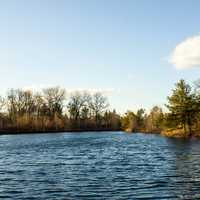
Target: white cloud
105	91
187	53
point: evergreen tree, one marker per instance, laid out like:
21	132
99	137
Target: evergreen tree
182	105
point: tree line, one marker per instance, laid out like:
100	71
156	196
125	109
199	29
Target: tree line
51	110
181	118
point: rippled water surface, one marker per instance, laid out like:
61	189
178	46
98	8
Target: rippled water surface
106	165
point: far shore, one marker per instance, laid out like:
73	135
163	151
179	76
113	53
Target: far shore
12	132
162	133
51	110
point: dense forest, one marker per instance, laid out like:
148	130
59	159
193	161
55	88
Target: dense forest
49	110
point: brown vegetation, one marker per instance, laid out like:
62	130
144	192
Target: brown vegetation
50	111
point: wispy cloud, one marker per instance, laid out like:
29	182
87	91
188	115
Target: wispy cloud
187	53
105	91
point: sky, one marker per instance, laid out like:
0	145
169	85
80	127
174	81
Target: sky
133	50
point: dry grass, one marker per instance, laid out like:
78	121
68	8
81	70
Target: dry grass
177	133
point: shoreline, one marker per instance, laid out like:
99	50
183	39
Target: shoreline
167	134
55	131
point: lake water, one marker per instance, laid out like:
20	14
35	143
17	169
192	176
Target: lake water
98	165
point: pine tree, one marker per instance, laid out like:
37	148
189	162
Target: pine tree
182	105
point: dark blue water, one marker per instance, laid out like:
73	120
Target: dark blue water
107	165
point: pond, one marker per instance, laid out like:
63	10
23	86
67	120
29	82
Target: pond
98	165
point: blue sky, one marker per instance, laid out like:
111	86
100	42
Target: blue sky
121	47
